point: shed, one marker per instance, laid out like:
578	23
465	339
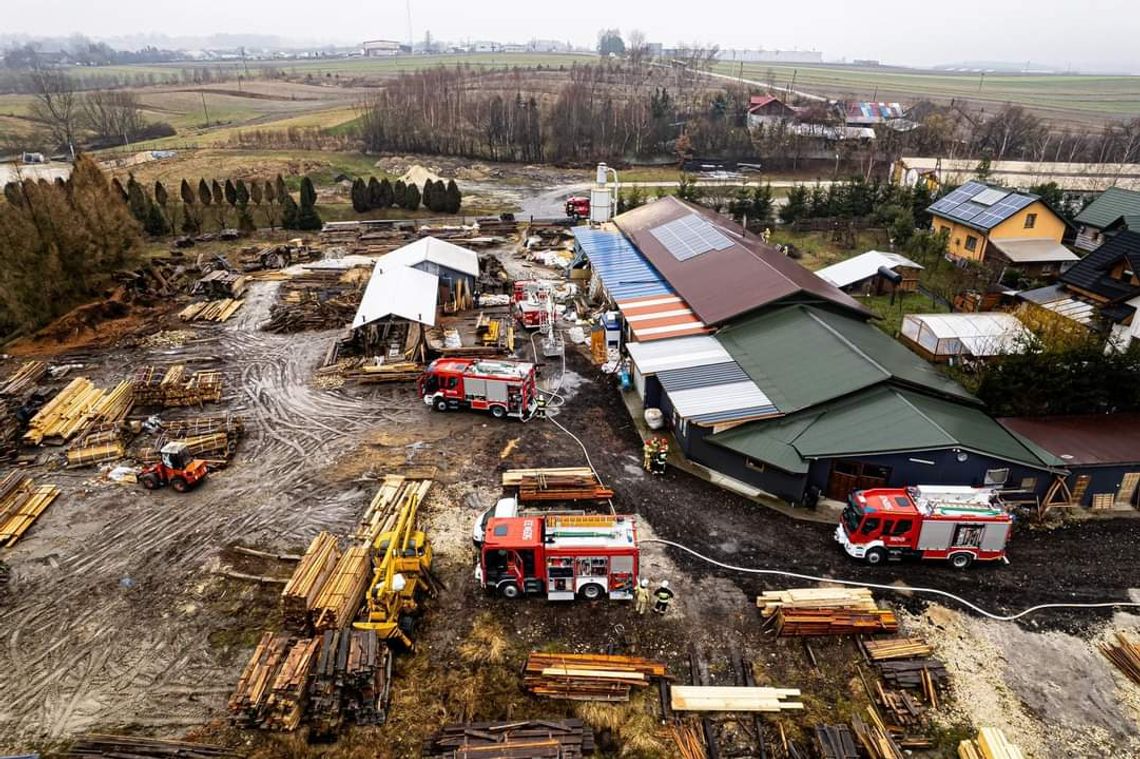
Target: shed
861	273
401	292
1101	452
942	337
451	263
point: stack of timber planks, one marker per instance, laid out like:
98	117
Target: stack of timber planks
395	492
907	663
835	742
897	648
874	738
1125	655
835	622
213	438
299	597
525	739
991	743
132	747
21	503
556	484
851	599
23	379
351	681
588	677
65	415
171	387
211	311
343	593
272	689
708	698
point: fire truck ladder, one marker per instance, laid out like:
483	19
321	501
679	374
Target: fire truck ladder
552	343
581	525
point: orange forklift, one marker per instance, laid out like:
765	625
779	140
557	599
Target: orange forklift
176	468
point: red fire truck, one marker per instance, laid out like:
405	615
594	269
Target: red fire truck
578	207
505	388
958	524
532	298
560	556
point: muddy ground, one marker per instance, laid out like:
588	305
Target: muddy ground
117	618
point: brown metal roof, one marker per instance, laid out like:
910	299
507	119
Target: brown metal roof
1091	440
722	284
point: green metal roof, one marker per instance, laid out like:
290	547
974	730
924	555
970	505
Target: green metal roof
882	420
801	356
1109	206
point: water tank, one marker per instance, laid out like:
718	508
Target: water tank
601	205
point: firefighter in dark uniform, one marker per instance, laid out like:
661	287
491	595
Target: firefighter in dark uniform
661	597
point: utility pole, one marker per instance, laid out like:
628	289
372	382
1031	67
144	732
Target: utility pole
204	110
981	80
411	40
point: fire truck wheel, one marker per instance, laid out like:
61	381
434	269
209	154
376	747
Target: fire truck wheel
440	404
498	412
509	590
961	560
592	592
876	556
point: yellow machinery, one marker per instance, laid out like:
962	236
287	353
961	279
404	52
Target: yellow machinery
401	560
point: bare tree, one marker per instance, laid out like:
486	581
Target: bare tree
55	105
113	115
636	49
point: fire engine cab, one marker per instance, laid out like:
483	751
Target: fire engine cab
578	207
957	524
505	388
560	556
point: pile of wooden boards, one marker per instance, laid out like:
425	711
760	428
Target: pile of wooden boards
1125	655
991	743
21	503
556	484
396	491
174	387
316	299
588	677
212	438
299	597
896	648
23	379
100	443
351	681
273	686
850	599
132	747
77	406
526	739
874	737
711	698
343	593
210	310
367	373
835	742
803	622
907	663
221	284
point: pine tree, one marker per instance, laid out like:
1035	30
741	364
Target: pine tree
374	194
190	223
412	197
289	212
387	194
155	223
308	219
204	196
241	193
454	197
117	186
272	201
308	193
797	206
360	196
426	195
398	191
137	200
219	202
163	201
231	193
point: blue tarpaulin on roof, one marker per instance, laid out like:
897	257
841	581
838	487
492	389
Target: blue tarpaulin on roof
624	272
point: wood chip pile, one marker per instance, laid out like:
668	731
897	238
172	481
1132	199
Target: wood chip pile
21	503
299	597
351	682
711	698
991	743
556	484
525	739
131	747
173	387
1125	654
588	677
343	593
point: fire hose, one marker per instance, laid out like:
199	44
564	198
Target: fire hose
895	588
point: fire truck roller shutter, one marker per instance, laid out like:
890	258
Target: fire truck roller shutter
994	538
496	391
475	388
935	536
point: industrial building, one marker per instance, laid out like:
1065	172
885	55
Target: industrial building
379	48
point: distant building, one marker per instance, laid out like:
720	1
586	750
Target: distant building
770	56
514	47
485	46
861	274
768	109
654	49
1114	210
379	48
1070	177
547	46
872	114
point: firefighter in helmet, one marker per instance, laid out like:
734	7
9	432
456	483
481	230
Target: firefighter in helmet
641	597
662	596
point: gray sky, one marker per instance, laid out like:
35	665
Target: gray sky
1087	34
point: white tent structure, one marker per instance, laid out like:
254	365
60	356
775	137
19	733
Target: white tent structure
945	336
433	256
401	292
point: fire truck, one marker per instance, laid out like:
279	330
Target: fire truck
532	299
560	556
956	524
505	388
578	207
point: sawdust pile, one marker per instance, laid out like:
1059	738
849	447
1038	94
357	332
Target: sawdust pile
418	175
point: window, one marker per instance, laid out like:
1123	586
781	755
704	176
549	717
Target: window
902	527
754	464
971	243
1030	220
996	476
1029	483
870	525
452	383
943	229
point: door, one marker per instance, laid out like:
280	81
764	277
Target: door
854	475
1126	496
1080	488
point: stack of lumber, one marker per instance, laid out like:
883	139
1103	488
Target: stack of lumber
396	491
351	681
23	379
874	738
9	434
709	698
66	414
170	387
213	438
343	592
397	371
132	747
1125	655
301	592
221	284
835	622
210	310
897	648
250	700
850	599
991	743
286	703
556	484
21	503
588	677
95	450
114	406
564	739
835	742
900	706
927	675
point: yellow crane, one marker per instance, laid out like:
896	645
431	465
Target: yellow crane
401	560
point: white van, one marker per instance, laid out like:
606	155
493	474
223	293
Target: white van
505	507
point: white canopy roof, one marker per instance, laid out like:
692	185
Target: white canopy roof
981	334
677	353
398	291
439	252
863	266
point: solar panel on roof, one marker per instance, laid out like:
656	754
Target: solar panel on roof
989	197
689	237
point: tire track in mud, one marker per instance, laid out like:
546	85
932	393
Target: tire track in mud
114	632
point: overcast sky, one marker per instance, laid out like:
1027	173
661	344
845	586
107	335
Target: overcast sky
1085	34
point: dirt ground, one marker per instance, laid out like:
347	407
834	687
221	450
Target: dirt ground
117	618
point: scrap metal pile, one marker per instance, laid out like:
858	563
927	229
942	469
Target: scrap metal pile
21	503
526	739
588	677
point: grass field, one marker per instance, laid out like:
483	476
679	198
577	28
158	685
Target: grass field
1072	97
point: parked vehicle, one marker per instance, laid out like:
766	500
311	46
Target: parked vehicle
561	557
175	467
503	508
956	524
505	388
578	207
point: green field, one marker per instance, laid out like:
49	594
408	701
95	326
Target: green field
1067	97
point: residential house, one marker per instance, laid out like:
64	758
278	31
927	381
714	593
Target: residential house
765	110
1107	281
1113	210
1006	229
863	273
872	114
